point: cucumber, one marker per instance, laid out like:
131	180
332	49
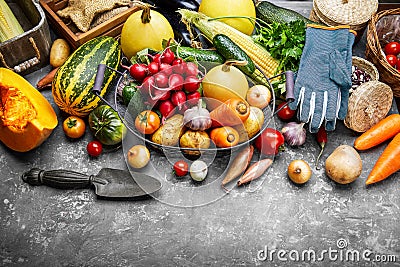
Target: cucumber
186	52
231	51
268	12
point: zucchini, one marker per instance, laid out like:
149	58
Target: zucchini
231	51
269	12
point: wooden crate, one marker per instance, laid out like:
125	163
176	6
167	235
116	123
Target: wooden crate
29	51
75	38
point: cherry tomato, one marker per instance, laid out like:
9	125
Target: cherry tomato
392	48
181	168
94	148
285	113
147	122
392	60
74	127
398	64
269	142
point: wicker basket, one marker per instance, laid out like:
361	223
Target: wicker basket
367	67
374	53
355	13
368	104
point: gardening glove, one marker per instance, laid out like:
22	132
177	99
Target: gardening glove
324	76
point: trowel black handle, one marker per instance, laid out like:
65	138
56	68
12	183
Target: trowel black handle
62	179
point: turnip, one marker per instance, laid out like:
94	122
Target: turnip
198	170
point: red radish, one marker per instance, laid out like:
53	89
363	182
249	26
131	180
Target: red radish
147	86
166	107
191	69
191	84
158	94
153	67
178	98
167	56
193	98
175	82
179	66
166	68
183	107
161	80
138	71
156	58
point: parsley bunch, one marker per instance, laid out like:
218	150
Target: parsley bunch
285	42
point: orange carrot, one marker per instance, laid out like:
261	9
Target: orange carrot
379	133
232	112
387	163
46	80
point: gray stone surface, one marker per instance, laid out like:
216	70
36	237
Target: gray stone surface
41	226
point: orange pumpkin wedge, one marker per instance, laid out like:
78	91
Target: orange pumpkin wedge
26	117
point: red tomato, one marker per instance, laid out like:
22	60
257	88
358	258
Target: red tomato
94	148
181	168
392	60
398	65
285	113
392	48
269	142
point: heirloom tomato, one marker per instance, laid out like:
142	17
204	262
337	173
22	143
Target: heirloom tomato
106	125
147	122
74	127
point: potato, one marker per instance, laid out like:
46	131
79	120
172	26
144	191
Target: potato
59	52
252	125
170	132
344	165
196	140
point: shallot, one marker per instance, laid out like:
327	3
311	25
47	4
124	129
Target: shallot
255	171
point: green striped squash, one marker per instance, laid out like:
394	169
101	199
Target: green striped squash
73	82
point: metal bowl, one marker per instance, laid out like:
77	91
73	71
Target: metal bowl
128	119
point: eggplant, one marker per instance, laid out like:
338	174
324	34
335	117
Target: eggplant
168	8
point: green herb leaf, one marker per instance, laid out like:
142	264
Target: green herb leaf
285	42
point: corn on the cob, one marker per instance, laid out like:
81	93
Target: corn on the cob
9	26
260	56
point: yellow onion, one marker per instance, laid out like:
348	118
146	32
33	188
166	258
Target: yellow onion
299	171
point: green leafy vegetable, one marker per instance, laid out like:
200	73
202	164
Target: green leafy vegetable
284	41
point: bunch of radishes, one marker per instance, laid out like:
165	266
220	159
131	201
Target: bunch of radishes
168	82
